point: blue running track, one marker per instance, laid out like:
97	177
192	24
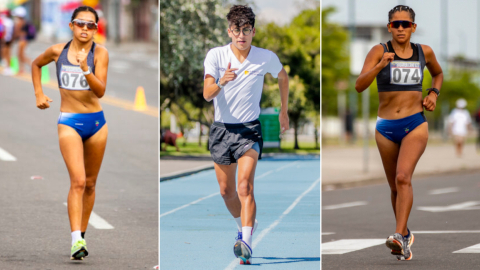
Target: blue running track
198	233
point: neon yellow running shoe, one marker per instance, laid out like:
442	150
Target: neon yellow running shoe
79	250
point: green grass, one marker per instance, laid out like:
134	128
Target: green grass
192	149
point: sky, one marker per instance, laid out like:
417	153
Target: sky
463	25
280	11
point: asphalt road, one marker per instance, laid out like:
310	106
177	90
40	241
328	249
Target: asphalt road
445	220
34	226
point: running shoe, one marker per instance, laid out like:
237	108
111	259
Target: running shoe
409	242
243	252
239	236
79	250
395	242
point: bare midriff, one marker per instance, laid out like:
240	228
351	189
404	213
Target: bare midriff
79	101
399	104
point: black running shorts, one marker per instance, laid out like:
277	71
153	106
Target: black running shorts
228	142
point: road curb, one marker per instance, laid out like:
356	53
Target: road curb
171	176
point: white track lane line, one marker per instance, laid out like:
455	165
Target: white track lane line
442	232
262	234
97	222
472	249
348	245
217	193
443	190
5	156
344	205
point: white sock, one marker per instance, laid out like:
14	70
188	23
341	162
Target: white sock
239	223
76	235
247	235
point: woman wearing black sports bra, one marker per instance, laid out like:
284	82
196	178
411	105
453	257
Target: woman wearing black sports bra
402	131
82	78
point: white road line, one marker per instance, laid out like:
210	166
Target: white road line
262	234
443	190
442	232
327	233
211	195
188	204
97	222
344	205
472	249
5	156
348	245
470	205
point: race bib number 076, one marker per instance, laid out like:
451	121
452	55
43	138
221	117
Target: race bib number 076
405	73
72	78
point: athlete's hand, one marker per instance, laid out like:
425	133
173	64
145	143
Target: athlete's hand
430	101
386	59
82	60
229	75
284	122
43	102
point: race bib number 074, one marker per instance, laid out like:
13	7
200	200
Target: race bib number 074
405	73
72	78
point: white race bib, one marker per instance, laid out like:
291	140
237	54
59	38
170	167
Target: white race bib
72	78
405	72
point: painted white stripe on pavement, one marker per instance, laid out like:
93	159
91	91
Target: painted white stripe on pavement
213	194
454	207
442	232
327	233
188	204
262	234
348	245
472	249
344	205
443	190
5	156
97	222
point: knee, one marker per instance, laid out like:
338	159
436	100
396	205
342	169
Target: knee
90	186
245	189
78	183
228	193
403	179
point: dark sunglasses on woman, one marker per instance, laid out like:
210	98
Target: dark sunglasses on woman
81	24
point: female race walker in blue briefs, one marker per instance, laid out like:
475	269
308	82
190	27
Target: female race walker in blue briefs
82	78
402	130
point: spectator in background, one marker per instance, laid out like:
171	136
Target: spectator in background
101	35
23	33
459	121
7	41
168	138
349	126
477	119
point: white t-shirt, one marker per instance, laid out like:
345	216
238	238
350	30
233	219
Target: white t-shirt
8	23
239	100
459	119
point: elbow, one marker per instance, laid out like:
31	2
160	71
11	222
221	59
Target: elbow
358	87
100	93
206	96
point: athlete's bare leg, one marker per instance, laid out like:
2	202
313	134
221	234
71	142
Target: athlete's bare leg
71	146
22	58
246	172
412	147
226	181
94	148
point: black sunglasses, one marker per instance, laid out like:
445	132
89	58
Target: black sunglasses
81	24
404	24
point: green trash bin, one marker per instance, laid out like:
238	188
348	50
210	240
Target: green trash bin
270	127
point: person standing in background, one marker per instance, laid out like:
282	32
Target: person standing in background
459	121
7	42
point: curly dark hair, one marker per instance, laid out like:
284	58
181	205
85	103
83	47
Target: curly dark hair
241	15
401	8
84	8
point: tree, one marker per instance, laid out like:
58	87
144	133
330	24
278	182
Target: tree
188	30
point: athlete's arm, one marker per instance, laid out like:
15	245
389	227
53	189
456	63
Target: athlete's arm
97	81
430	101
210	87
50	55
375	61
283	85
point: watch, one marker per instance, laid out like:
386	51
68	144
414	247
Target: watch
87	72
220	85
433	90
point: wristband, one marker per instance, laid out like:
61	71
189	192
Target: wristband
87	72
220	85
433	90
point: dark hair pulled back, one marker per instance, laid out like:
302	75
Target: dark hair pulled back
401	8
82	9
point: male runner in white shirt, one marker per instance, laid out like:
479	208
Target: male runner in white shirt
234	76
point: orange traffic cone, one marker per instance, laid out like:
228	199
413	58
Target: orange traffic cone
140	101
